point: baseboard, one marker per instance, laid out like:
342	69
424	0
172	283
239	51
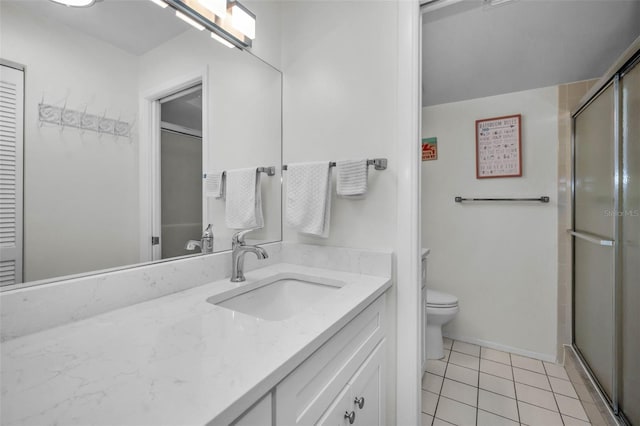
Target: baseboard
501	347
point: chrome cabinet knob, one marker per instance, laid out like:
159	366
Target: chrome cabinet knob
351	416
359	402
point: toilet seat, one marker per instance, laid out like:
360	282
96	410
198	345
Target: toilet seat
438	299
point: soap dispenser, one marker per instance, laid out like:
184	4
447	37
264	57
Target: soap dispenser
206	243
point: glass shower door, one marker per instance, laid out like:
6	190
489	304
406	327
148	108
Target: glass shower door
630	218
594	231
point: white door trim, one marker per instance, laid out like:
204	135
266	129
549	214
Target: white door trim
150	154
409	330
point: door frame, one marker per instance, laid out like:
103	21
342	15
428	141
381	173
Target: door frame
149	158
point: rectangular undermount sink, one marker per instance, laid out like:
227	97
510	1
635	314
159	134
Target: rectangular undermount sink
277	298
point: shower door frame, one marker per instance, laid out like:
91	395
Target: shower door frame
629	59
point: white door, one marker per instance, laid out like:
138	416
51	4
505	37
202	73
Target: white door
11	168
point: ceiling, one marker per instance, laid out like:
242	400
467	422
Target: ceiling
471	50
135	26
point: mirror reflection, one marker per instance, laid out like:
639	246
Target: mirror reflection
126	109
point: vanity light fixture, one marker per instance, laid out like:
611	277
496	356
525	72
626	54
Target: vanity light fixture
160	3
217	38
75	3
217	7
243	20
228	21
189	21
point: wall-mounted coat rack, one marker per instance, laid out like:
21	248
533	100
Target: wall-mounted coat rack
65	117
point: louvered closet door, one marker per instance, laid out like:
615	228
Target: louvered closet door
11	185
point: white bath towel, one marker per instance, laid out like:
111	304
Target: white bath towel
352	178
308	202
214	184
243	209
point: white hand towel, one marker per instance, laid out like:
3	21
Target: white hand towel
352	178
308	202
214	184
243	209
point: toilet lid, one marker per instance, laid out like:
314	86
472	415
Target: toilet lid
438	298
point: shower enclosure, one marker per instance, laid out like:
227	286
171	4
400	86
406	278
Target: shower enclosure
606	234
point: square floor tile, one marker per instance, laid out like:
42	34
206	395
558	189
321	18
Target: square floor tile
535	396
429	402
440	422
570	421
556	370
447	343
527	363
456	412
498	404
490	419
494	355
496	369
461	374
466	348
435	366
536	416
447	352
497	385
563	387
426	419
530	378
432	382
464	360
571	407
460	392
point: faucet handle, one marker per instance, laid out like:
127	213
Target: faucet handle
238	237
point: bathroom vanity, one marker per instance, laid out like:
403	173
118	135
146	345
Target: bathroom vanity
184	359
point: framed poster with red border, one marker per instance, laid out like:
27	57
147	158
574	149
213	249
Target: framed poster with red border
499	147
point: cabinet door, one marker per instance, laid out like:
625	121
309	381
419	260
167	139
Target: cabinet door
367	390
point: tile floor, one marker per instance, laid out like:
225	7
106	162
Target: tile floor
473	385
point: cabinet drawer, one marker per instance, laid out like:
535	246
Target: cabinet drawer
304	395
363	398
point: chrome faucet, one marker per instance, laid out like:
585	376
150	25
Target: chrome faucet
205	243
239	249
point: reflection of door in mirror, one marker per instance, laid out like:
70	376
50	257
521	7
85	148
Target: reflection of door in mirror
11	187
181	171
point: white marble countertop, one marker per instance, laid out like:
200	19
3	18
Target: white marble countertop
173	360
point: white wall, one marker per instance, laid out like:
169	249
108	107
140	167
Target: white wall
500	260
340	103
244	123
79	214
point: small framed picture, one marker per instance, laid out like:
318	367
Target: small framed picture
498	147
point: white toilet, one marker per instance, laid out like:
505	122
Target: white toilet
440	308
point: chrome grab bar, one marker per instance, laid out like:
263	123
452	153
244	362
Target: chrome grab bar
592	238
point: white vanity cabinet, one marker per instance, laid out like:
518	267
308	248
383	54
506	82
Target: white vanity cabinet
324	388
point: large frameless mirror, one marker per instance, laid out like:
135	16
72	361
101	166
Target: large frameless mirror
125	110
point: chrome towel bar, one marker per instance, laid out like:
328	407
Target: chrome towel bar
270	171
542	199
592	238
377	163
